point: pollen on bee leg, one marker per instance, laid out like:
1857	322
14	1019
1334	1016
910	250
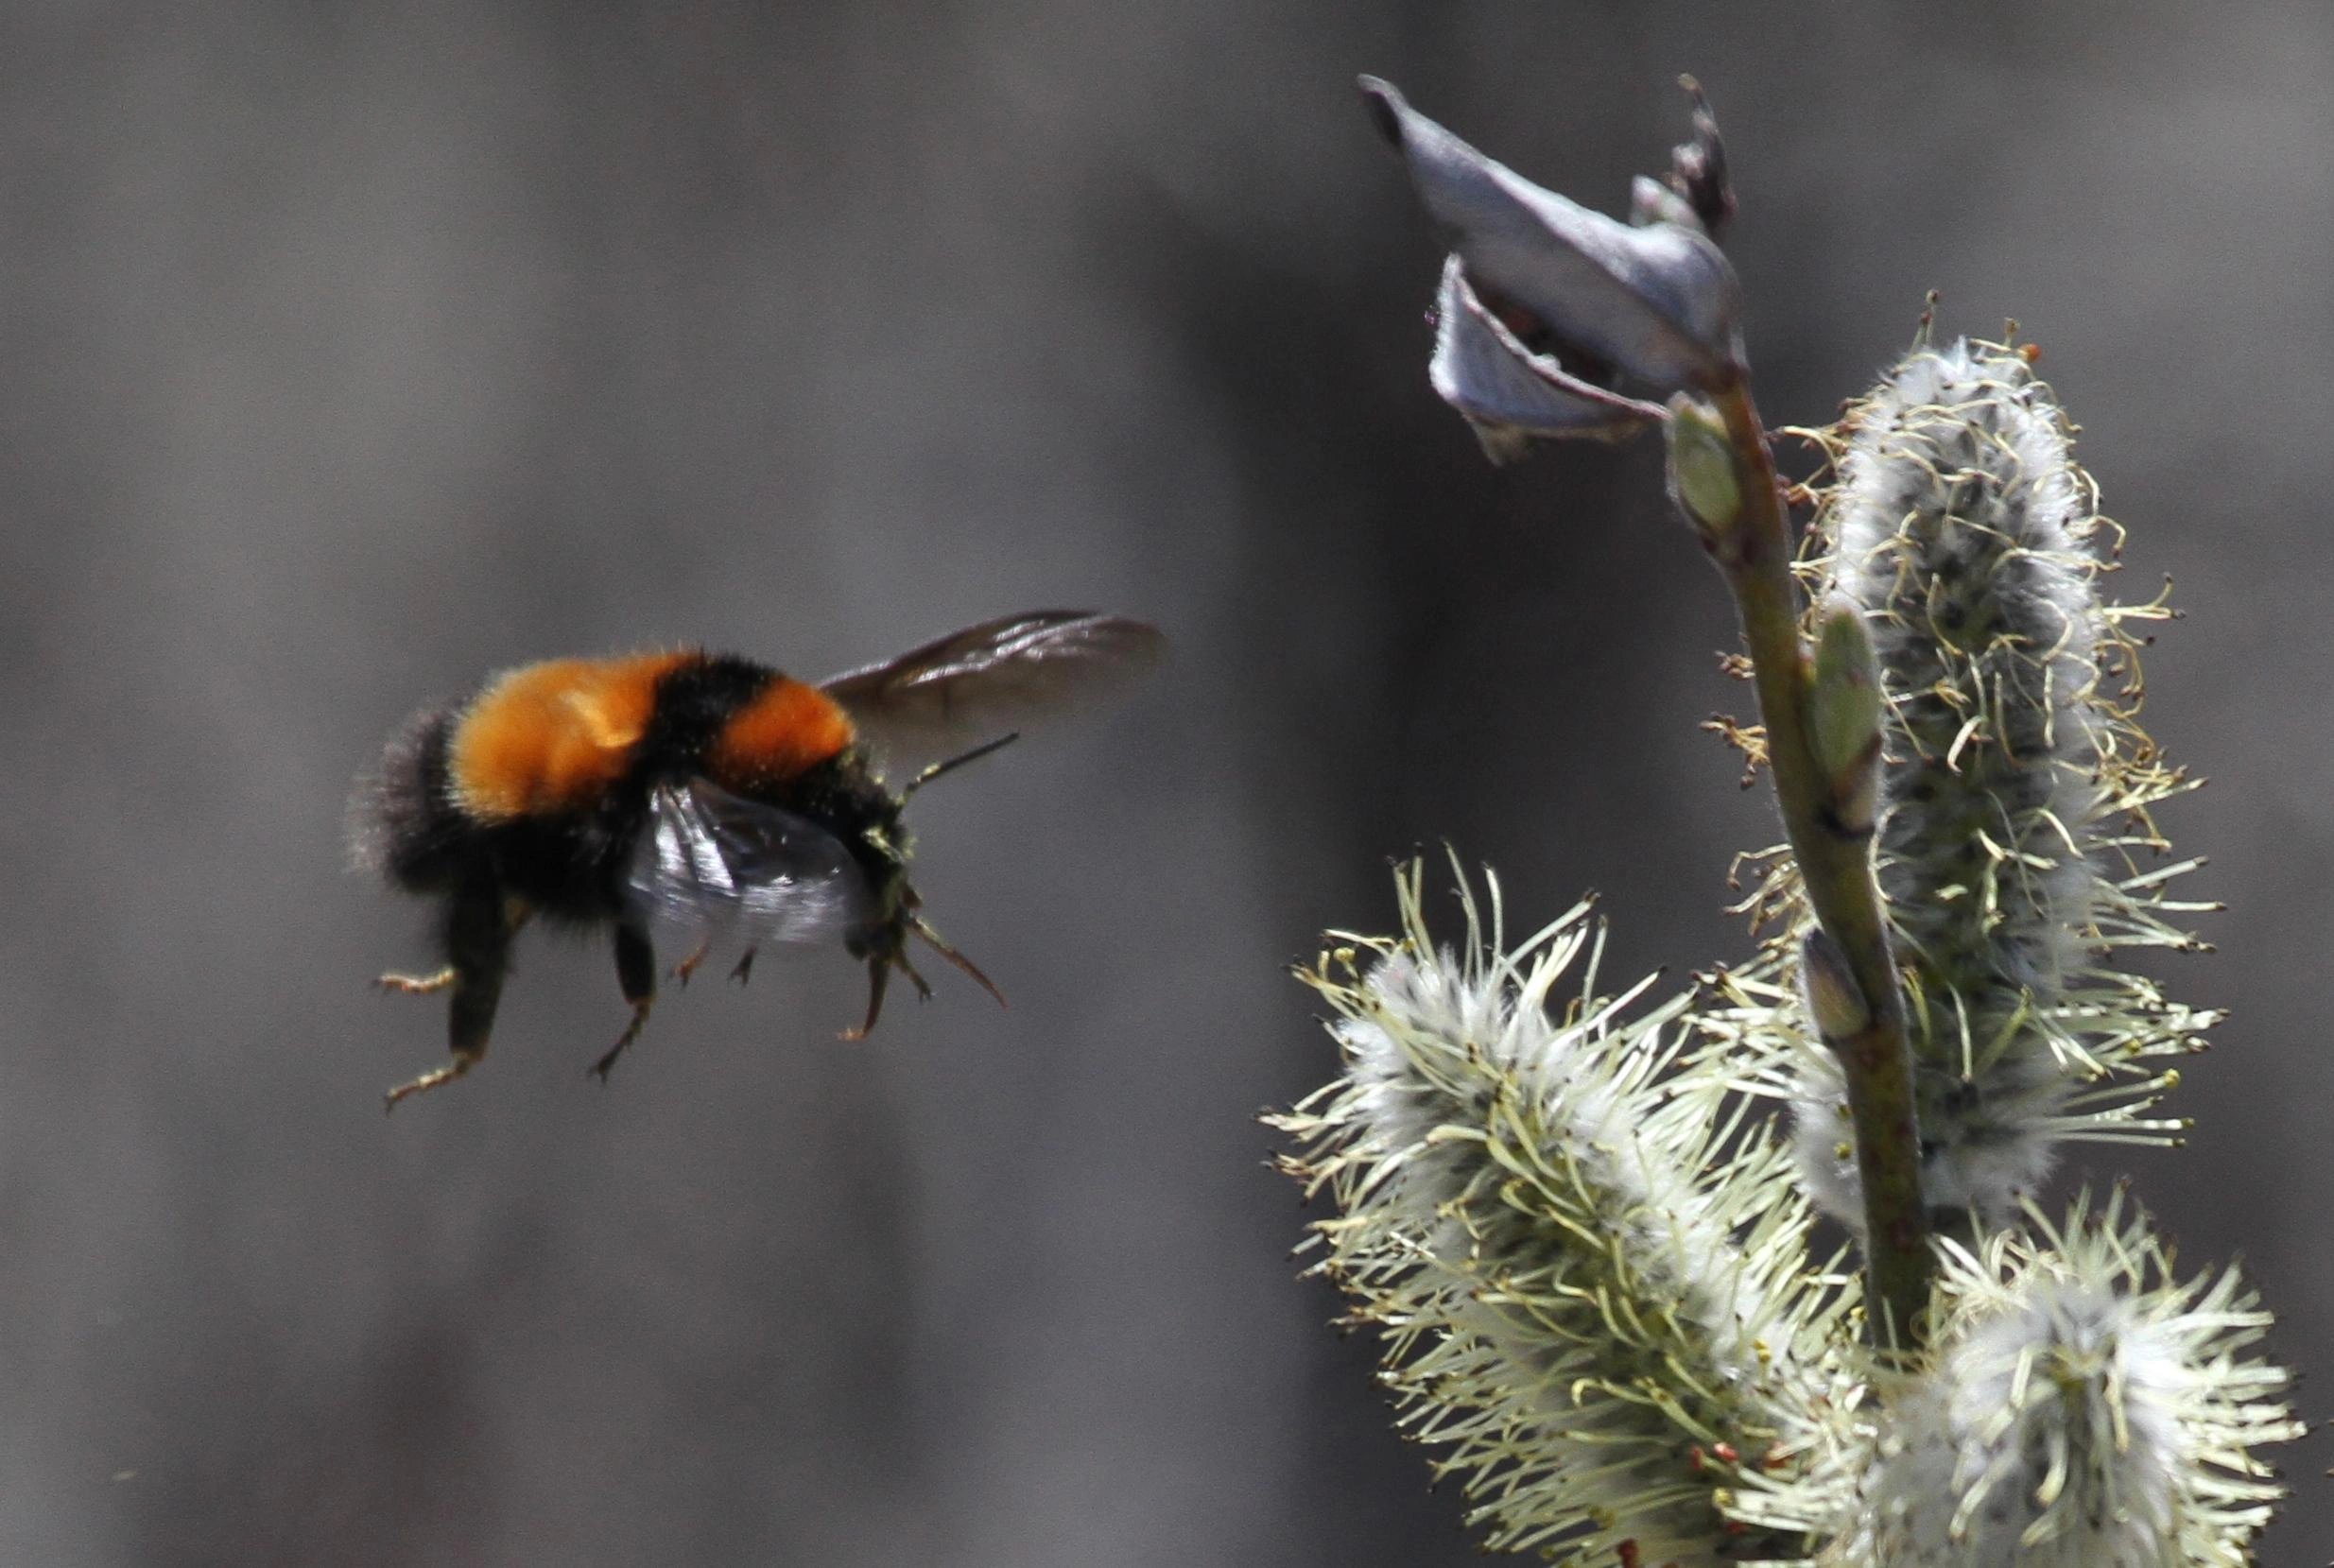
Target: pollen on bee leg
631	1032
417	984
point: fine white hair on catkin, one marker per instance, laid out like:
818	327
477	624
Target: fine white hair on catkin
1962	529
1590	1270
2080	1408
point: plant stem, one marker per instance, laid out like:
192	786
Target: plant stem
1835	866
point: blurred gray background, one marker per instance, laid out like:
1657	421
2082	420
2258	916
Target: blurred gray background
350	352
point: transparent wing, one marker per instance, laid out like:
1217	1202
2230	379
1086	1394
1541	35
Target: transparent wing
718	866
1001	675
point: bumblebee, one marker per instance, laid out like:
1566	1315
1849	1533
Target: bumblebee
701	791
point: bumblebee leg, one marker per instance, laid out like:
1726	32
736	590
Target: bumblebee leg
418	985
478	938
923	991
931	940
688	966
745	966
636	973
879	975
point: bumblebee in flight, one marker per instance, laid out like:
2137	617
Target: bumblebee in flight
702	791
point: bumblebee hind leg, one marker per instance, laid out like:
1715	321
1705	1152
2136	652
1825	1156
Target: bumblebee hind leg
419	985
636	973
478	938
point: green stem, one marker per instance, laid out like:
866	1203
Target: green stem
1835	865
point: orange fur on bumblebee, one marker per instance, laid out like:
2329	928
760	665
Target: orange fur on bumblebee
700	790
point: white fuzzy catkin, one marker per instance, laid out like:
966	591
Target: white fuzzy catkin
1591	1273
2079	1409
2015	791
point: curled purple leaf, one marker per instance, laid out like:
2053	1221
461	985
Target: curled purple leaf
1509	394
1651	201
1657	303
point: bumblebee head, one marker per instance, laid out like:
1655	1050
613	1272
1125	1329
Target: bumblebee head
882	944
883	940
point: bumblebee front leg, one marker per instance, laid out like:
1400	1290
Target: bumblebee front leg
478	939
636	973
879	976
879	966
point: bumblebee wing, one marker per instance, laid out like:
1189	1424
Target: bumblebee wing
718	865
1005	674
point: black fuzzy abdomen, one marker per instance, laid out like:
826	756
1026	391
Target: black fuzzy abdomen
401	818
